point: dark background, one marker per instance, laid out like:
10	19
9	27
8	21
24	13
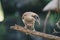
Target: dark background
13	10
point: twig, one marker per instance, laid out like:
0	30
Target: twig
39	34
45	22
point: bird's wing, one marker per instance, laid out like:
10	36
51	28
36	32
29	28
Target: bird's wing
51	6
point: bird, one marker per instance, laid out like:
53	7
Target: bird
29	19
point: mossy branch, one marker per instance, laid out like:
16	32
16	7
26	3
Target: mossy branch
39	34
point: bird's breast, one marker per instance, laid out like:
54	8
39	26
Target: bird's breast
29	19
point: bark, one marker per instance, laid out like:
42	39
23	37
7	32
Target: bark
35	33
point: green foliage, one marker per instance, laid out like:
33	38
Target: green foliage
10	8
2	31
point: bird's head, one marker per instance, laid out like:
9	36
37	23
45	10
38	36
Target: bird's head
29	18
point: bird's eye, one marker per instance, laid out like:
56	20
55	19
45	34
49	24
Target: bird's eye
36	17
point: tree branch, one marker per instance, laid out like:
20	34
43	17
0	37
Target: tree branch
39	34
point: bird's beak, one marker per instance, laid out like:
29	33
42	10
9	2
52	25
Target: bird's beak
37	19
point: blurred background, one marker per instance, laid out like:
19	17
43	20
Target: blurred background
11	12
